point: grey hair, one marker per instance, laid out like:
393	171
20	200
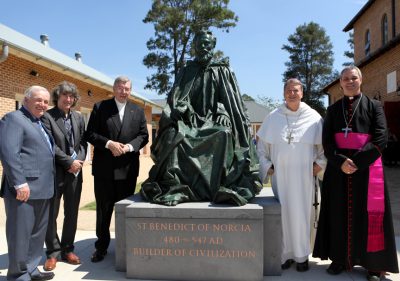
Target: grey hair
122	79
35	88
351	67
294	81
62	88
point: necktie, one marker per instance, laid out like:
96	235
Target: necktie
45	135
68	128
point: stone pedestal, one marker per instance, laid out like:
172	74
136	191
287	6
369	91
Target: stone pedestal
199	241
194	241
120	239
272	227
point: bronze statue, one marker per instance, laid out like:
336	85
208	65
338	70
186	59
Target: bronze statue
203	150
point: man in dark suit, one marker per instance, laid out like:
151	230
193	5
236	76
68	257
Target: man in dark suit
27	156
117	130
67	128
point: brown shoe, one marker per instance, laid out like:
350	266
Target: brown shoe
71	258
50	264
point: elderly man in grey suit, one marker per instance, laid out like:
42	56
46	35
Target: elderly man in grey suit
27	156
67	128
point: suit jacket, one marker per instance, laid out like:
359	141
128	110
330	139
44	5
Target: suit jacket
53	120
104	125
26	156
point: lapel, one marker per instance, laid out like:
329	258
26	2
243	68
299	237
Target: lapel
52	141
60	122
128	113
57	114
34	122
115	117
75	127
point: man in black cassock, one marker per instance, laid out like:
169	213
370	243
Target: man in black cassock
203	150
355	224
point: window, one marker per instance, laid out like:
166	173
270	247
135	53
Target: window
367	47
391	84
384	31
18	101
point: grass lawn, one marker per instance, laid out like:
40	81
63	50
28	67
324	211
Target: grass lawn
92	205
89	206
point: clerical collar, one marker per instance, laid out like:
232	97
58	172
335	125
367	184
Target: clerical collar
121	109
353	97
120	104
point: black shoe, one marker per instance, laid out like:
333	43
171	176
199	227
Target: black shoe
302	266
335	268
287	264
98	255
43	276
373	276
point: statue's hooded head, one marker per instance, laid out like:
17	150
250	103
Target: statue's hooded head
204	43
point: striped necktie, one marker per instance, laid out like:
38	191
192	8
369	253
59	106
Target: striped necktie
45	135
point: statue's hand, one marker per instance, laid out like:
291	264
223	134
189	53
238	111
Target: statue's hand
223	120
181	111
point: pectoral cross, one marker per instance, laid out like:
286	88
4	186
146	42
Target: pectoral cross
346	131
289	137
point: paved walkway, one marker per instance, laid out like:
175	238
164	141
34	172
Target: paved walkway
105	270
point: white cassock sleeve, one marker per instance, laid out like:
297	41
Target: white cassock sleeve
264	156
320	159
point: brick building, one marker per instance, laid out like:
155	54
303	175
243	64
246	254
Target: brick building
376	29
25	62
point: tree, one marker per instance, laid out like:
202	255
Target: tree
246	97
350	54
175	23
311	61
268	102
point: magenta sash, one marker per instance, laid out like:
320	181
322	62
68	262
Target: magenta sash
376	194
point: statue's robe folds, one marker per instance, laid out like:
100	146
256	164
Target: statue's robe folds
197	158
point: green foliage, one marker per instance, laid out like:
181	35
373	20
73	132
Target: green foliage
175	22
246	97
89	206
350	54
268	102
311	61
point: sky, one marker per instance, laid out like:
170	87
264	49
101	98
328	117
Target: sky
111	35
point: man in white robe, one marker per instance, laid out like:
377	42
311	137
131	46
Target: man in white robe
290	151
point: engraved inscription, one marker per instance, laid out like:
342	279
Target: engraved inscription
209	253
208	240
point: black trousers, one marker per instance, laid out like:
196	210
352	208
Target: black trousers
71	192
107	193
